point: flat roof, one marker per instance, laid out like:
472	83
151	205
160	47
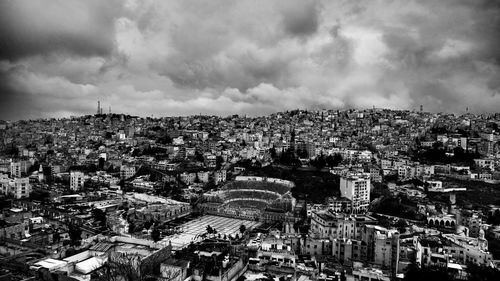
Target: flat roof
50	263
89	265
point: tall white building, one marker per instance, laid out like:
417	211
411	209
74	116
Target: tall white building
356	187
15	169
77	180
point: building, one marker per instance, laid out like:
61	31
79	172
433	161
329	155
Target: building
126	172
15	169
348	250
485	163
76	180
219	176
339	205
210	161
357	189
188	178
18	187
382	246
315	247
369	274
203	176
329	224
14	231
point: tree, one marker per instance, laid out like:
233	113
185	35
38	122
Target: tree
302	153
333	160
56	237
75	234
272	151
482	273
384	221
99	216
39	195
209	229
427	273
401	224
288	158
319	163
218	162
494	217
155	234
243	228
131	227
198	156
148	224
101	163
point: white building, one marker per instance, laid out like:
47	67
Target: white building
18	187
435	185
203	176
357	189
126	172
76	180
485	163
220	176
15	169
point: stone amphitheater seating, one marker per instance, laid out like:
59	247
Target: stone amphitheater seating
263	185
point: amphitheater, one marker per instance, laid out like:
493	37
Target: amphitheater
248	197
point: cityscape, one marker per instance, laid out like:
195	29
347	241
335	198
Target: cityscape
249	140
373	194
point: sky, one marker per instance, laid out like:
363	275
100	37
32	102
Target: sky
169	58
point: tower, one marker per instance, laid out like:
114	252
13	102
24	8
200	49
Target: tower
98	107
356	187
76	180
421	108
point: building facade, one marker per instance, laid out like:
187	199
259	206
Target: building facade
357	189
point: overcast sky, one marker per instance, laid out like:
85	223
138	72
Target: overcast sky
164	58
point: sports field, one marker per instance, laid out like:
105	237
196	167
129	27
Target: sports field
192	230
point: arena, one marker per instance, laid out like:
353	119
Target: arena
250	198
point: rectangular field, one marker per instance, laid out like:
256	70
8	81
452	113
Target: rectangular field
192	230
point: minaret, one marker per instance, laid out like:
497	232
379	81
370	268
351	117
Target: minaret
41	176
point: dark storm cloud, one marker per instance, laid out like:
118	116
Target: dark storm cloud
32	96
302	18
256	56
242	72
35	27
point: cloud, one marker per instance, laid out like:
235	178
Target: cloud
254	57
37	27
301	18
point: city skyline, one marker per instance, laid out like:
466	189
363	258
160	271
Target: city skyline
177	58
